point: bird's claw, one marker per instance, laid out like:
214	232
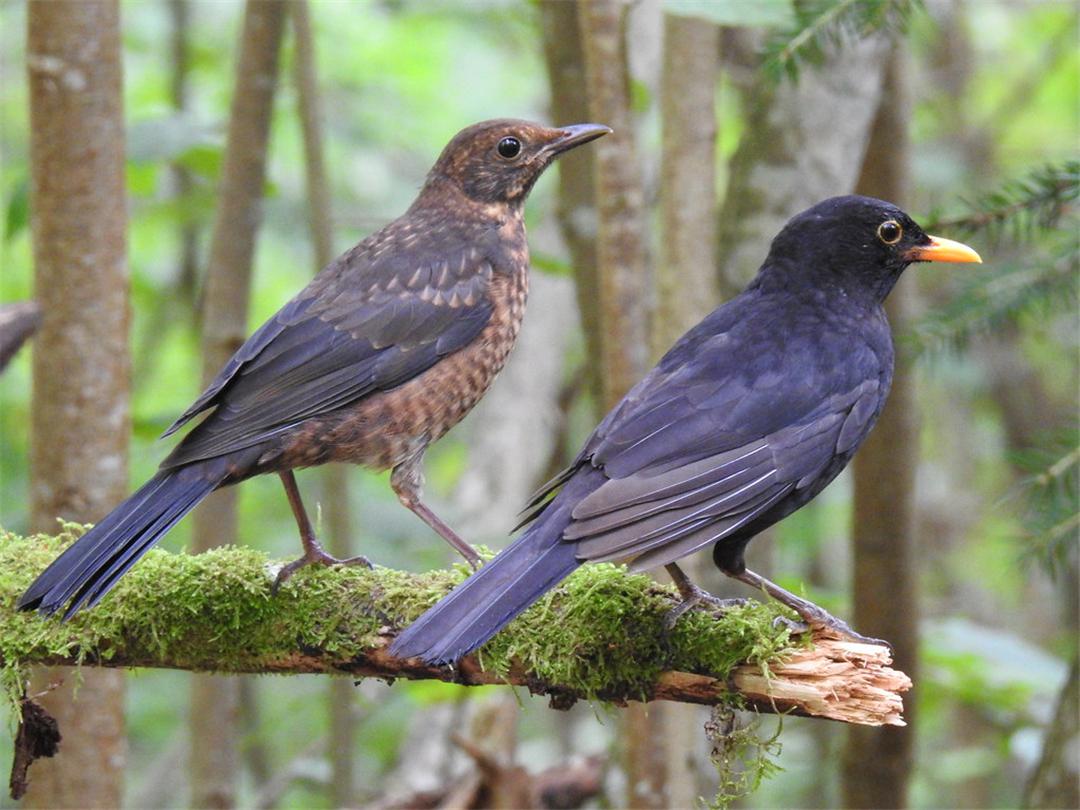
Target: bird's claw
699	598
823	619
796	627
315	557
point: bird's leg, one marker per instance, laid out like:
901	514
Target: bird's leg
692	596
314	554
407	481
810	613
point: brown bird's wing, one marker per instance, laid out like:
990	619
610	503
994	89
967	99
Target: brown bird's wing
716	437
369	322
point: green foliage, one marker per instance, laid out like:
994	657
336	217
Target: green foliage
989	298
820	25
1031	221
17	214
1050	496
1022	207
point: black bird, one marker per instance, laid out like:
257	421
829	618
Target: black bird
748	416
384	351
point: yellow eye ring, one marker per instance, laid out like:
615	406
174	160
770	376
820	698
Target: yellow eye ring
890	232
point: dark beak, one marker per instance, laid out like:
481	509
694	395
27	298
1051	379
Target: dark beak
576	135
942	250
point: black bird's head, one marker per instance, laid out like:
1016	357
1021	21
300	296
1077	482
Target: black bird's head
859	244
498	161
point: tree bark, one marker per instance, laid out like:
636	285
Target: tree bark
877	766
177	303
180	92
686	289
214	701
1055	782
81	366
337	517
576	211
787	163
620	243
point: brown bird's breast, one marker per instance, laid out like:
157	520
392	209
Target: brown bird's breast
387	428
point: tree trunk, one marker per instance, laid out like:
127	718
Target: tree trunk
214	700
577	185
877	766
180	91
337	518
81	366
686	289
621	322
177	304
786	163
620	242
1055	782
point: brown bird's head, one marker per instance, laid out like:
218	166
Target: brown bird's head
498	161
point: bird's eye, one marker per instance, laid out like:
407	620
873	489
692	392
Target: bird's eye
509	148
890	232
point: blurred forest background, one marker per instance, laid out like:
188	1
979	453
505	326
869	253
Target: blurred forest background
954	536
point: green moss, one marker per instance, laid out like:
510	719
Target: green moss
599	633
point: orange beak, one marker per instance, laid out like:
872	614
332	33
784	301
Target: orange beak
943	250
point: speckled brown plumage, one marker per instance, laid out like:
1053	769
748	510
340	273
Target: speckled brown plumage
379	356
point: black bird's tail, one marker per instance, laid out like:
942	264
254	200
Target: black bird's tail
92	565
492	597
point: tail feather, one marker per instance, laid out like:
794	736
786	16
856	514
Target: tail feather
87	570
496	594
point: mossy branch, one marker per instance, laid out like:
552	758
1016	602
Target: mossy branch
597	636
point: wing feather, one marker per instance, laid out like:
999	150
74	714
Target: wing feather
351	333
711	442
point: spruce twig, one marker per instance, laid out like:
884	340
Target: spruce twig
824	24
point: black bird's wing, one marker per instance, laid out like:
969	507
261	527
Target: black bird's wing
739	419
372	320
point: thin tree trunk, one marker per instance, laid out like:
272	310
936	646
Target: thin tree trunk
621	322
214	700
179	90
577	186
686	288
81	366
877	766
620	243
786	162
337	520
179	301
1055	781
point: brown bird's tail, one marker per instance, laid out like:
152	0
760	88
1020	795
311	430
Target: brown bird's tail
492	597
87	570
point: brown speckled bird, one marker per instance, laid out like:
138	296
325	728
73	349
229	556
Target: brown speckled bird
381	354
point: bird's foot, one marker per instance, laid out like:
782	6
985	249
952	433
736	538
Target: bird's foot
696	597
811	615
314	555
796	627
814	616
